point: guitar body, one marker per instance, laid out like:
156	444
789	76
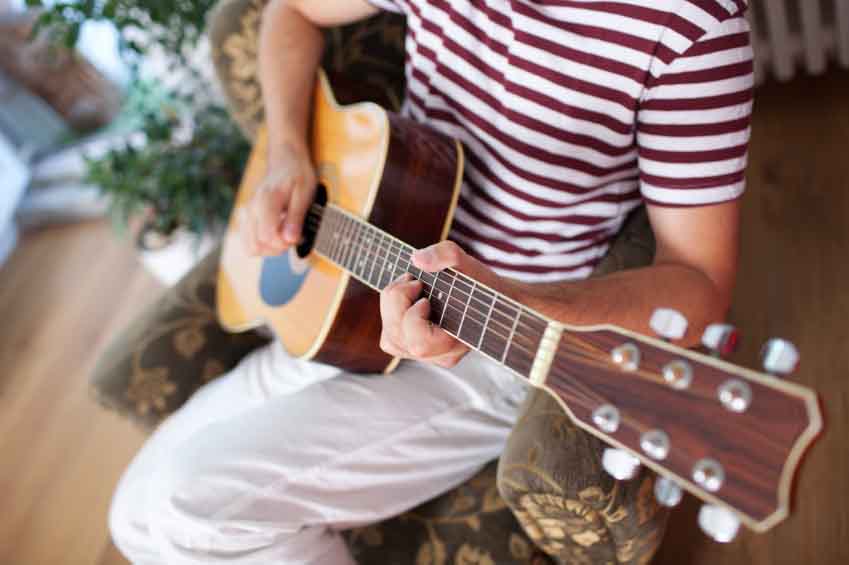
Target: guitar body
399	175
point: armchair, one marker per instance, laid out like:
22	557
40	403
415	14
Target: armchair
546	501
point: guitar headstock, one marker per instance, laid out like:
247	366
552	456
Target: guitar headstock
731	436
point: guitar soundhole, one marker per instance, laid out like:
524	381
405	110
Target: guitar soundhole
311	223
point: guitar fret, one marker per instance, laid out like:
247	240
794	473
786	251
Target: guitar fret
329	225
368	265
362	252
427	287
333	230
360	259
373	260
391	261
466	309
413	269
351	260
406	258
347	225
383	271
486	321
447	300
435	280
510	337
340	245
377	264
435	303
332	234
395	274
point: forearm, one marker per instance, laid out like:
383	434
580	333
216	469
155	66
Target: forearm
628	298
290	48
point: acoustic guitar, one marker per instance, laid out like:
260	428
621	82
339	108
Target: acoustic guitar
731	436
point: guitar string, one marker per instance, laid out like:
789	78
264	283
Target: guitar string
510	343
447	304
468	294
457	293
500	301
468	281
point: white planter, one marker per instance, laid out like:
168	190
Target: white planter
175	259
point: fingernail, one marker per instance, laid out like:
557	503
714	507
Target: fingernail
403	278
290	233
421	301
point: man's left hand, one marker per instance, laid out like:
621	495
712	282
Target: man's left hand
407	329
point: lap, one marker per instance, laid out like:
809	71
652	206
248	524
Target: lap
353	448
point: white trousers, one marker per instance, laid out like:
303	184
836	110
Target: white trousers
266	464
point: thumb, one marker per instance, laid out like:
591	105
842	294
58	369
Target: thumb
448	255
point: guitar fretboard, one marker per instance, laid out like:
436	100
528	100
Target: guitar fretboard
483	319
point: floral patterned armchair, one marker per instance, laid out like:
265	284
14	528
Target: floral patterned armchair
547	500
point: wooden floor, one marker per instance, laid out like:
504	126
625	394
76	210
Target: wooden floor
794	283
67	290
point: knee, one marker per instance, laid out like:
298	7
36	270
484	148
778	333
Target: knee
201	502
128	521
165	511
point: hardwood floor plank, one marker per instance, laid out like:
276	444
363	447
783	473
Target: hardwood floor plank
68	290
793	283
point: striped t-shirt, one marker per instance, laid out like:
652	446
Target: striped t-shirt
573	112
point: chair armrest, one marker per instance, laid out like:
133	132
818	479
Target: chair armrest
169	351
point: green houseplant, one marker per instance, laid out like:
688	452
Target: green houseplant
182	165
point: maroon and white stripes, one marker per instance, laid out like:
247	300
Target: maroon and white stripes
574	111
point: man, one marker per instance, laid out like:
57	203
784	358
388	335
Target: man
572	112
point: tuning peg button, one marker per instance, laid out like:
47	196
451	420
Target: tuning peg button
620	464
667	492
721	339
779	356
668	323
718	523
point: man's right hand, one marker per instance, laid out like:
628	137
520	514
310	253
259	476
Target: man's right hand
273	218
290	48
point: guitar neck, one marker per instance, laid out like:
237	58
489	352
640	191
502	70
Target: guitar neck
485	320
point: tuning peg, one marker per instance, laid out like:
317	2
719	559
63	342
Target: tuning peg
620	464
667	492
668	323
721	339
718	523
779	356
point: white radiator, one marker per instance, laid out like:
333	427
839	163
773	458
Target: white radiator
792	36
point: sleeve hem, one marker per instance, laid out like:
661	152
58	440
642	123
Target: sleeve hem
387	5
662	204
